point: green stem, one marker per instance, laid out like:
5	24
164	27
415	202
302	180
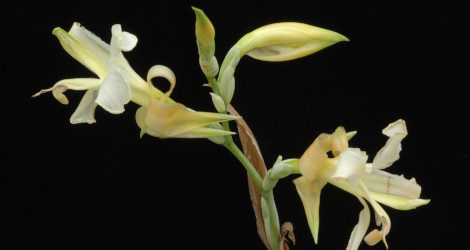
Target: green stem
232	147
274	228
213	84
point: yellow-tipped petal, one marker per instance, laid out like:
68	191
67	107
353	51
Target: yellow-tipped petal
287	41
175	120
399	203
340	141
309	192
78	51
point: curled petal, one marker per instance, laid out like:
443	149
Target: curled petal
391	151
351	166
398	127
315	156
339	142
309	192
121	41
375	236
382	218
165	72
76	84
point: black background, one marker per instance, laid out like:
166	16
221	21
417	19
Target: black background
99	186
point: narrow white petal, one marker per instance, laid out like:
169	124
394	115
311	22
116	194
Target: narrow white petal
351	166
391	151
114	93
85	112
75	84
360	229
92	43
382	218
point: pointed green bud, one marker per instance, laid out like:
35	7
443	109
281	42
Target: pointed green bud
281	169
219	103
226	80
210	67
205	34
287	41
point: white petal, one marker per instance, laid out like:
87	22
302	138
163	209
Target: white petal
382	218
385	183
76	84
351	166
399	203
398	127
129	41
114	93
99	49
391	151
85	111
360	229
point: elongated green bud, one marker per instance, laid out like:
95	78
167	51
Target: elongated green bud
205	35
287	41
226	80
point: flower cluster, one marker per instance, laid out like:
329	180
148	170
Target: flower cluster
117	84
329	159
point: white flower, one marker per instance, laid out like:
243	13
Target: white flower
349	170
117	82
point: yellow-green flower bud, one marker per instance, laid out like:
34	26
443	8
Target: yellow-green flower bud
287	41
205	35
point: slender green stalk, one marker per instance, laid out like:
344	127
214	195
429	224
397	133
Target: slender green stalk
213	84
274	229
232	147
273	219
